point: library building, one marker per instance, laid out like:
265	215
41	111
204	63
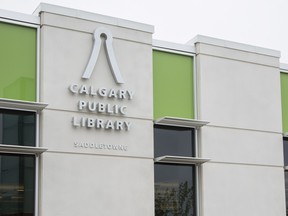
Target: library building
98	118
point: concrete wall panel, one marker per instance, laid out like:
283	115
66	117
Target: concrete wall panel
77	184
238	190
239	94
58	134
242	146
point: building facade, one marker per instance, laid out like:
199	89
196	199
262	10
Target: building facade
97	118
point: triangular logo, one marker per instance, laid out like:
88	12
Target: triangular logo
98	33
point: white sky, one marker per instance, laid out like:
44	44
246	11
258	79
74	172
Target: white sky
256	22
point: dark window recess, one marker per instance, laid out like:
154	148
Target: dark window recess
17	180
285	150
176	141
17	127
175	192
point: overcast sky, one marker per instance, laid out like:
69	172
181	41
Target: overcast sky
256	22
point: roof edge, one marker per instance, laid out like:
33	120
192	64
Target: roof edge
234	45
283	67
19	17
70	12
159	44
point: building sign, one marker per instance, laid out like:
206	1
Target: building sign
96	95
98	33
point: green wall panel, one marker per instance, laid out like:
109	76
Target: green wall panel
173	85
284	98
18	62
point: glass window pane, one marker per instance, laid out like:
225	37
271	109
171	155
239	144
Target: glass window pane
174	190
174	141
284	100
17	180
17	127
173	85
18	62
285	148
286	190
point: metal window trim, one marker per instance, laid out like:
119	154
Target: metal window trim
169	47
188	50
22	105
29	21
19	18
181	122
38	36
283	68
37	158
178	52
16	149
181	160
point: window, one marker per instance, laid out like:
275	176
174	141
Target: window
17	171
17	127
19	117
18	150
175	192
18	61
17	180
173	76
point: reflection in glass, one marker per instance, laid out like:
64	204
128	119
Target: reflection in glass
17	180
285	149
174	190
176	141
17	127
286	190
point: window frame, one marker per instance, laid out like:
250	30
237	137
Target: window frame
36	107
195	161
26	106
285	167
23	173
29	21
36	151
192	180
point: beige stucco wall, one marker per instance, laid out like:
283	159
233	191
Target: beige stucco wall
86	180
